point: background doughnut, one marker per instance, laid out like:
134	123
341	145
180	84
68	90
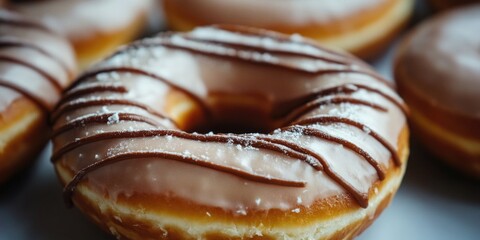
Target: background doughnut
35	66
449	4
437	72
95	28
362	27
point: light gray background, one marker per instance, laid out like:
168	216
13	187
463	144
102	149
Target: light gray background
432	203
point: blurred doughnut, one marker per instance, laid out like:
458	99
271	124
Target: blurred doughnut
35	66
95	28
437	70
362	27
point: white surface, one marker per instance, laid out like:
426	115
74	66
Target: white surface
432	203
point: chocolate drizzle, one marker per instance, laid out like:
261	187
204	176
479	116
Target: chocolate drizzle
350	88
38	101
196	47
141	72
71	186
9	18
254	32
214	138
104	118
54	82
331	119
96	88
71	106
314	104
13	21
342	61
7	43
362	199
268	142
308	131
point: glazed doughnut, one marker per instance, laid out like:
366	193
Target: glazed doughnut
362	27
95	28
35	66
437	72
230	132
448	4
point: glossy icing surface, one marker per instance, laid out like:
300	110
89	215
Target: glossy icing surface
83	18
442	60
34	62
338	137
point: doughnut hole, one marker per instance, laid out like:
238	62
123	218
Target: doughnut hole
222	113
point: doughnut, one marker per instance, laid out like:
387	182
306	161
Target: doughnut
230	132
438	75
35	66
362	27
95	28
448	4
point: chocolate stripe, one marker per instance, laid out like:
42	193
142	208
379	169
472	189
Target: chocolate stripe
167	43
16	20
273	35
400	105
247	31
103	118
218	138
239	46
39	102
320	134
70	188
304	109
318	165
361	199
348	89
141	72
97	88
369	131
71	106
53	81
22	44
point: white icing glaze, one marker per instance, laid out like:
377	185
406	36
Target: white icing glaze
30	53
233	71
7	97
79	19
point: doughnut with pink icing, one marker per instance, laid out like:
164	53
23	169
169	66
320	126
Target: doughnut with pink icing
230	132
